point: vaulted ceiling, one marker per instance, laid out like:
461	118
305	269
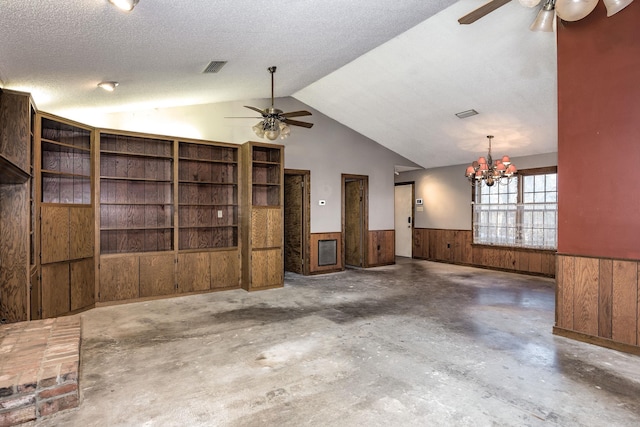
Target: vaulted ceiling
394	71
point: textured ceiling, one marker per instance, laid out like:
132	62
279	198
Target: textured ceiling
395	71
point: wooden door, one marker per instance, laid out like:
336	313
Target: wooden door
293	223
353	223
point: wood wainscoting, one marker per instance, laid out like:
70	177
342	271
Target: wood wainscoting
316	267
455	246
597	301
381	248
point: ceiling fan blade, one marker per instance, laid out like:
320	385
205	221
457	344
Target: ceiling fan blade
257	110
297	123
482	11
296	114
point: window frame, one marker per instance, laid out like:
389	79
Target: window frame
523	172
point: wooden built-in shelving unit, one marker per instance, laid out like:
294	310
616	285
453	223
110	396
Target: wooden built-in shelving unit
66	222
168	216
262	218
136	194
208	196
96	216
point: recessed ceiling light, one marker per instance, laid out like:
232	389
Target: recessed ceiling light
108	86
465	114
126	5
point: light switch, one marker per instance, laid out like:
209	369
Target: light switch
219	214
322	202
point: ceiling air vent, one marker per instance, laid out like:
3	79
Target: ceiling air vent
214	67
465	114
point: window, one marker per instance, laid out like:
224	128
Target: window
522	213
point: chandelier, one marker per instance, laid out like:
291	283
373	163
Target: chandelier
490	171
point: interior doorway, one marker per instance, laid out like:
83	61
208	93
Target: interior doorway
404	219
355	219
296	220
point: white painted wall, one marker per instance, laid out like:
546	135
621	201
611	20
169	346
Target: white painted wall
328	150
446	192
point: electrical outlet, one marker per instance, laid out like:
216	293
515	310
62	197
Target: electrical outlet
219	214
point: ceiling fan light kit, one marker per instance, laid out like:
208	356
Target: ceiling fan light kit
546	18
615	6
574	10
486	170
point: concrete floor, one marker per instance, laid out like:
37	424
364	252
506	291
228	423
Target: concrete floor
414	344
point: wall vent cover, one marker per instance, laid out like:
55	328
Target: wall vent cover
327	252
214	67
467	113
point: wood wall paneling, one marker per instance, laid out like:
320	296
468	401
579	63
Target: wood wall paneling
54	233
55	289
225	269
568	282
456	246
82	283
605	298
585	295
315	238
194	272
157	275
598	298
625	302
119	278
381	248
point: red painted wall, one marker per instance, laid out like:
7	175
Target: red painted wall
599	134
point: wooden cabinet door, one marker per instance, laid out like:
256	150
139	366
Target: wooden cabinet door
14	131
266	228
266	268
225	270
119	278
81	235
157	275
82	283
54	234
36	292
194	272
55	289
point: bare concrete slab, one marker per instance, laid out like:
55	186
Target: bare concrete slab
413	344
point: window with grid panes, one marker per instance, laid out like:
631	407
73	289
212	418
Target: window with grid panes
521	213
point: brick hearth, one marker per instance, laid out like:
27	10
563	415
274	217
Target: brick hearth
38	368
